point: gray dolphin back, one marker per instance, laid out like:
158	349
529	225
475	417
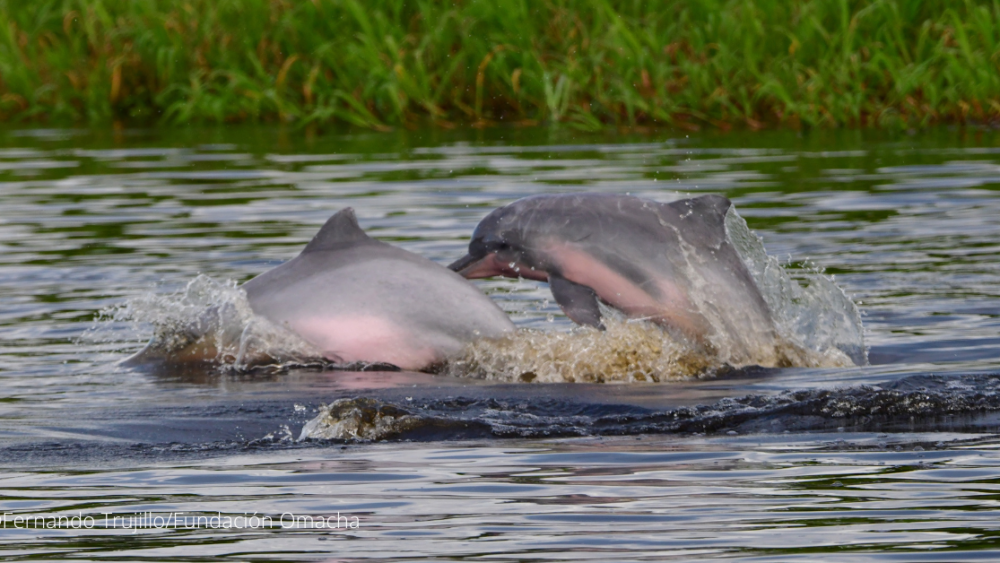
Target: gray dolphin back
360	299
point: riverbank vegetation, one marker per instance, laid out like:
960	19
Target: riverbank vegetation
591	64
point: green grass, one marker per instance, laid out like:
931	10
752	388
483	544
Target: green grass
385	63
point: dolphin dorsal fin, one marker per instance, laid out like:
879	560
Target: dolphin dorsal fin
709	217
711	205
340	230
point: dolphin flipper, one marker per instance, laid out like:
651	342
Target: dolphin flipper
579	302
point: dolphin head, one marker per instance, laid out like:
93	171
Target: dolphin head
497	249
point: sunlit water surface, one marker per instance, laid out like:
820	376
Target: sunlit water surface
896	461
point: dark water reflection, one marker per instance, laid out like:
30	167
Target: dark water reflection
762	498
907	224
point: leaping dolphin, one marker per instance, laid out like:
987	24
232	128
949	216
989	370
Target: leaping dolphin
670	263
362	301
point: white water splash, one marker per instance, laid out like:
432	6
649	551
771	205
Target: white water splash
628	351
210	321
360	419
810	310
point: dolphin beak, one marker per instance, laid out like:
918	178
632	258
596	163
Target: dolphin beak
471	267
463	263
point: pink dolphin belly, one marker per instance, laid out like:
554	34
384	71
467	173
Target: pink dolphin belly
673	309
363	338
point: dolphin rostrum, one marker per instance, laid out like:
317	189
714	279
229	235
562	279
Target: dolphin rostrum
358	300
669	263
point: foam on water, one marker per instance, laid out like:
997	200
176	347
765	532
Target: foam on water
627	352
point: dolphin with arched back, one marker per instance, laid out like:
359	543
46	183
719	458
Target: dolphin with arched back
361	301
670	263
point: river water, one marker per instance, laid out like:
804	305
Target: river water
896	460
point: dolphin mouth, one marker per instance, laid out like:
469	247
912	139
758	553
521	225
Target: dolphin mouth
464	264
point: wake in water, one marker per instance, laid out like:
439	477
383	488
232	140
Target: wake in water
817	325
911	404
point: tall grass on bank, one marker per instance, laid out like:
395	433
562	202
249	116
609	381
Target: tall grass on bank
380	63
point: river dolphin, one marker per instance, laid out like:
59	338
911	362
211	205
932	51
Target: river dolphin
669	263
358	300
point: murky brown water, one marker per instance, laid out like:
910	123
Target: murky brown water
779	465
